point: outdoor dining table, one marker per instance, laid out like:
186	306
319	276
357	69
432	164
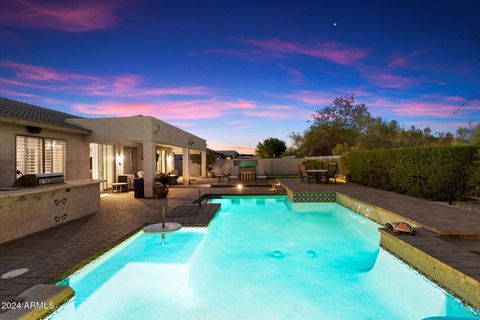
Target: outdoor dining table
317	173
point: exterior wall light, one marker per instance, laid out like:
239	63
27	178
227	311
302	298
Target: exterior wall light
156	128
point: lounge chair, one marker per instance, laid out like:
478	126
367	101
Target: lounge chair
260	174
234	174
304	174
331	172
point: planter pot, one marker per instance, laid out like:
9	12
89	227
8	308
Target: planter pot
160	191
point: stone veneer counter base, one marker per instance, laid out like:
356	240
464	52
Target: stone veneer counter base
28	210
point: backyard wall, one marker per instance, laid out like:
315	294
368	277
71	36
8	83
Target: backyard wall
273	166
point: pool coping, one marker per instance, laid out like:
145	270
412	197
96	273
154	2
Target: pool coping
422	258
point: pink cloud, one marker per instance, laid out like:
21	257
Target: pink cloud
77	16
295	73
441	107
403	60
331	51
187	91
242	104
169	109
49	79
385	79
39	73
279	112
310	97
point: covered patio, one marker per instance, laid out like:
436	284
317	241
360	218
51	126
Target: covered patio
141	145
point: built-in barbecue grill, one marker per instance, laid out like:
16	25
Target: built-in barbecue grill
39	179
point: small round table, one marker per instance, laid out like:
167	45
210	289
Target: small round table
318	173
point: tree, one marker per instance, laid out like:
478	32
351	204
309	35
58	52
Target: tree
270	148
341	122
344	125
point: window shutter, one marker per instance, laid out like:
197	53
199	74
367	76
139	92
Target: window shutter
55	155
29	154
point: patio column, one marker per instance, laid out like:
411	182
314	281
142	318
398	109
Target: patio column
186	165
170	159
149	167
203	164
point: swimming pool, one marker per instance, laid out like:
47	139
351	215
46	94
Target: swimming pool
260	258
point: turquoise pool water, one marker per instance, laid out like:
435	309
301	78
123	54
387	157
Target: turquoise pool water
260	258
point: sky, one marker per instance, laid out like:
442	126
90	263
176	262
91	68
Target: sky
237	72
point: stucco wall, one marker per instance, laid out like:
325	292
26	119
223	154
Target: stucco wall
138	129
78	163
273	166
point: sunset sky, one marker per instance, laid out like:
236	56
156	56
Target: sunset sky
236	72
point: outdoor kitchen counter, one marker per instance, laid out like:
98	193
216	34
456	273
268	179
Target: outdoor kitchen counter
27	210
9	191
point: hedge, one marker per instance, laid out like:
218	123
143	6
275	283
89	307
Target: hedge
435	173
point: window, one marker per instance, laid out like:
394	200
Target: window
55	155
40	155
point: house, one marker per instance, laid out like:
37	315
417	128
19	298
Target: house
40	140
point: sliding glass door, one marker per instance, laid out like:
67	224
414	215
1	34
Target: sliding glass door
102	164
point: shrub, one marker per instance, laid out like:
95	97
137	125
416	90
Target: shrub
473	176
429	172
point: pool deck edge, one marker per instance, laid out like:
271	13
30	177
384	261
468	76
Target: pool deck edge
453	280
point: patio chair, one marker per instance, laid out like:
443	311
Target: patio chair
304	174
260	174
218	173
331	172
234	174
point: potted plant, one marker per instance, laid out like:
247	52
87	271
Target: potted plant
161	188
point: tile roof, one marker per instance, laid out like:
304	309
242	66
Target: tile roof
25	111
